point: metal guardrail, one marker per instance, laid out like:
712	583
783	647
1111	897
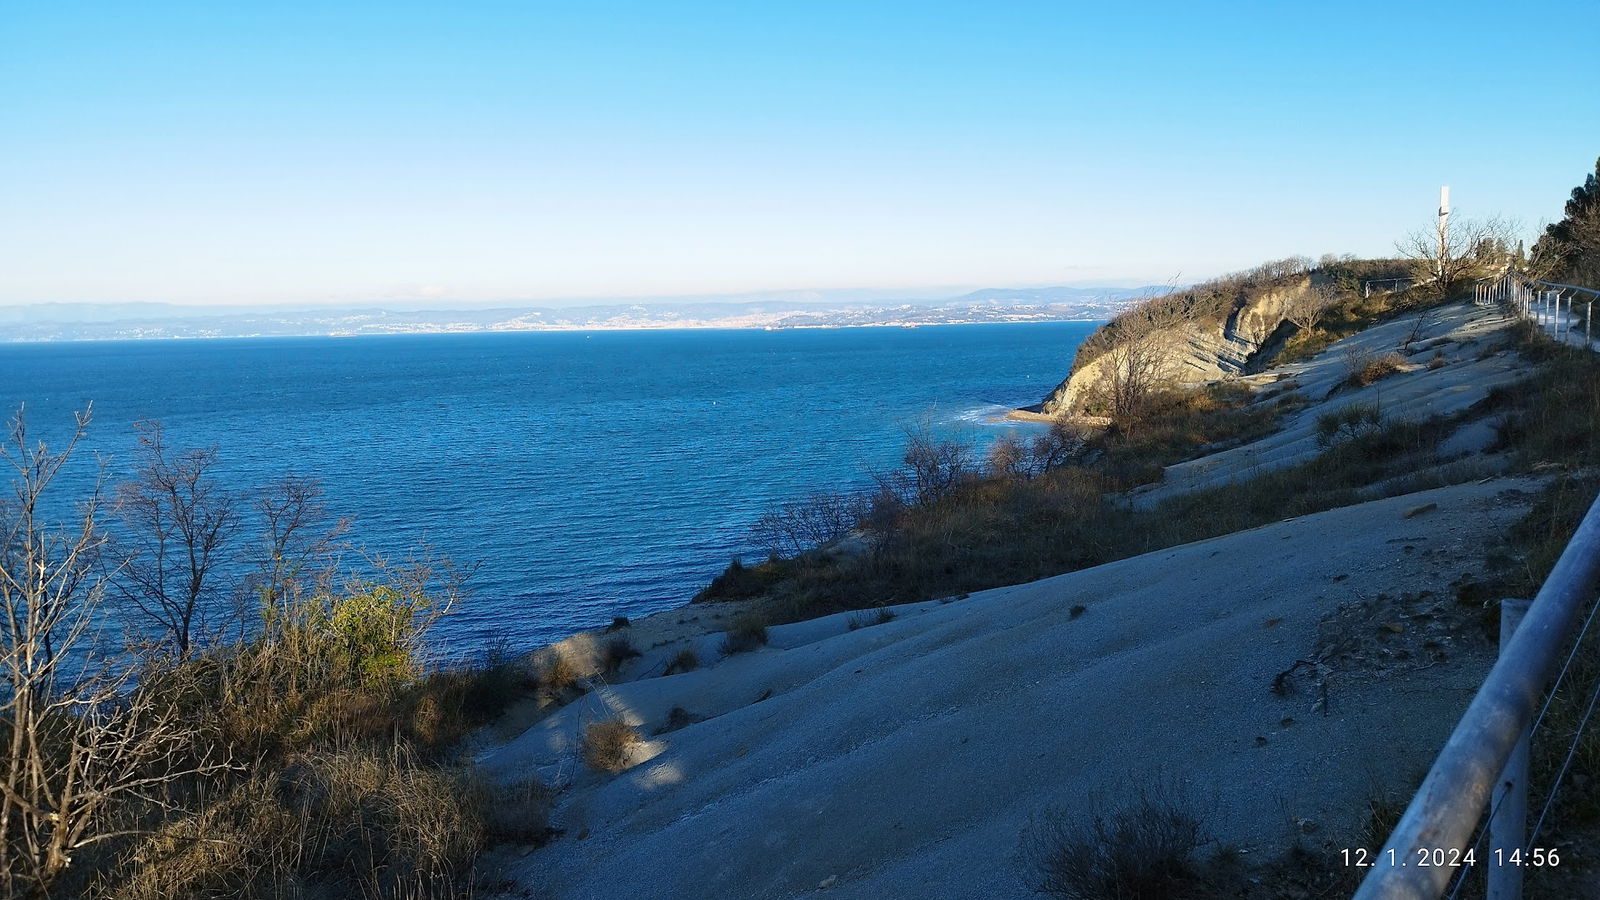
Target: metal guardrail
1394	284
1542	301
1487	753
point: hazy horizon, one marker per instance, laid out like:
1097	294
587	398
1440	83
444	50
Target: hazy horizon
379	154
924	294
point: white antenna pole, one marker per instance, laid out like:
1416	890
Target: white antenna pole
1444	231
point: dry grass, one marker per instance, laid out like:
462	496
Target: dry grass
685	660
516	813
882	617
1366	368
358	822
559	674
608	745
746	632
615	652
1350	421
1145	849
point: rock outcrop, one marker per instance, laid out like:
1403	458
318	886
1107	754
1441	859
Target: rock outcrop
1197	349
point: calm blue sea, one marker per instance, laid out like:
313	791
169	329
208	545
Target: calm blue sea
591	475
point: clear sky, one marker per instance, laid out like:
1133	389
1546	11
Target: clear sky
478	152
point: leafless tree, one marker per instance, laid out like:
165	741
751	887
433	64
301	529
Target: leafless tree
1308	307
80	741
298	546
1446	255
176	521
1138	359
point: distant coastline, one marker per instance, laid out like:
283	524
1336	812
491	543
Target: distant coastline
546	329
61	322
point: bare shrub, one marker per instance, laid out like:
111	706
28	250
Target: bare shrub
820	519
608	745
298	549
1308	307
1063	443
932	468
1445	254
1007	458
1142	849
1419	326
1138	358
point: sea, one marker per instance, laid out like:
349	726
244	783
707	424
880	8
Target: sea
583	476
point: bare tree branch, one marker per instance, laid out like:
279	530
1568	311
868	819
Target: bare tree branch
177	521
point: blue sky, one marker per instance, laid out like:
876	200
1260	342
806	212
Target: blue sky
486	152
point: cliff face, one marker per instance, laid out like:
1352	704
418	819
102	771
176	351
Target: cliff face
1196	351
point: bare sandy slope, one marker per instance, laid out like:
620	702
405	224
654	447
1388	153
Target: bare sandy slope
1468	342
904	759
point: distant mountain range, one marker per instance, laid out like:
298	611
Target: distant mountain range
136	321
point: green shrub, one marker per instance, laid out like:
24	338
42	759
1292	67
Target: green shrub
739	582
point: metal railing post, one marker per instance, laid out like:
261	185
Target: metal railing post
1508	827
1446	810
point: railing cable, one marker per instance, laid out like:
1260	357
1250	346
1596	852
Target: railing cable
1460	879
1566	764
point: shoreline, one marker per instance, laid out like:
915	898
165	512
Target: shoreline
1033	413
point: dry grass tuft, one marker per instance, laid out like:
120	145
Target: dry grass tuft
559	674
1144	849
747	632
517	813
1366	369
615	652
882	617
686	660
608	745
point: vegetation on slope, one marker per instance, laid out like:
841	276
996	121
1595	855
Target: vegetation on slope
301	748
946	523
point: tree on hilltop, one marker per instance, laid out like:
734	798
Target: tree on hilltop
1569	250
